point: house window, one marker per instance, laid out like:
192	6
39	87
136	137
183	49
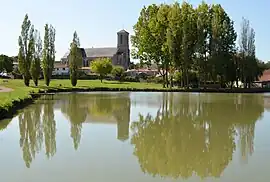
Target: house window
121	39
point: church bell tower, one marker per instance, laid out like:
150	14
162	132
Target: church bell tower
123	48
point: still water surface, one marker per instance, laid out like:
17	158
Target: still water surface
138	137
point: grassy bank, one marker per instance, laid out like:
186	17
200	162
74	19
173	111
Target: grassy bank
21	95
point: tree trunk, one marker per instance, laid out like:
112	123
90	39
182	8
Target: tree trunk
204	80
26	81
167	80
47	81
171	80
74	78
36	82
163	78
187	80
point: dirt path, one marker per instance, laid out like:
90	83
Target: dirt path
5	89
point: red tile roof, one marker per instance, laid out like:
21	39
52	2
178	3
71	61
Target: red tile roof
265	76
60	65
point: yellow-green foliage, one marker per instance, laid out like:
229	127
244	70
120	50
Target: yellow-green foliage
102	66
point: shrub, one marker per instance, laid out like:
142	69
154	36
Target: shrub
118	72
131	79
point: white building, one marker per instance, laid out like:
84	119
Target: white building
60	69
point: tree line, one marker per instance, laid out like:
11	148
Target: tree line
6	63
32	55
196	44
36	59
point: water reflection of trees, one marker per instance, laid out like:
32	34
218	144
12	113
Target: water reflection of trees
76	110
195	134
38	128
100	105
34	131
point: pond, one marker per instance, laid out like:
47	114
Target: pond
138	137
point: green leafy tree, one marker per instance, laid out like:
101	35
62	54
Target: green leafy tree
75	59
149	38
102	66
174	36
35	69
189	38
195	41
222	45
203	33
6	63
118	72
26	49
48	57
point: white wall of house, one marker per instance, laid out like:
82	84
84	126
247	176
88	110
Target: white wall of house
134	72
60	71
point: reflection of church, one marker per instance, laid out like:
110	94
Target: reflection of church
97	109
123	120
119	115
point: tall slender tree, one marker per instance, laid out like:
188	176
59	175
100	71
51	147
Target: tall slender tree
26	49
35	66
249	69
174	36
203	33
48	57
75	59
222	45
189	39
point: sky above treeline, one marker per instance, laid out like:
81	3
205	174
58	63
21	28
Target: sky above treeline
97	21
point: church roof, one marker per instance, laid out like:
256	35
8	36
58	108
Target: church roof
122	31
97	52
100	52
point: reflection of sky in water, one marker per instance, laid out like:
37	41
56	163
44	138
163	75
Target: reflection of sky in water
101	157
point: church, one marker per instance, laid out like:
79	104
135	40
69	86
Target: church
119	55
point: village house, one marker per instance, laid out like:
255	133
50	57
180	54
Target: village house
60	69
137	72
119	55
264	80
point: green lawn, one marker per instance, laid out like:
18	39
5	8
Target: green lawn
21	91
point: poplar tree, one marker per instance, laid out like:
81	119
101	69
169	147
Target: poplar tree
75	59
48	56
26	49
35	65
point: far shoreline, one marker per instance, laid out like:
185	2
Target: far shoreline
130	89
10	111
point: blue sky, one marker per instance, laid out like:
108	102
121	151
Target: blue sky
97	21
